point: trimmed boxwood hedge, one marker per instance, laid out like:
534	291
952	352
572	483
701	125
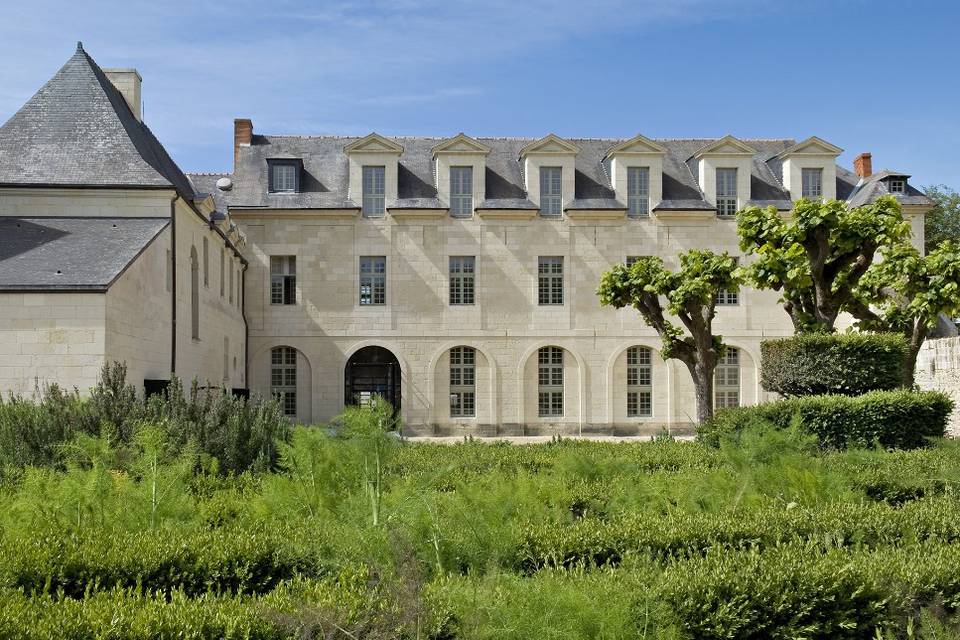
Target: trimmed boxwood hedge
896	419
820	363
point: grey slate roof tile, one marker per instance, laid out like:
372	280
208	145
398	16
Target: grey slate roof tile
78	130
68	254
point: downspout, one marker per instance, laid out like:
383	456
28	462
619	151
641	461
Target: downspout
246	327
173	285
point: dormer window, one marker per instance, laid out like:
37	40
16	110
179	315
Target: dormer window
551	194
461	191
726	192
811	184
284	176
374	192
638	192
897	185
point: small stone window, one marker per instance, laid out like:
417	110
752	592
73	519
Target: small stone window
283	279
550	280
373	280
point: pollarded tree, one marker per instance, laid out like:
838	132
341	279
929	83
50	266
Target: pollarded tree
691	295
906	293
816	256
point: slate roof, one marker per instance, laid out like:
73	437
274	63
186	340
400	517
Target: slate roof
70	254
875	186
77	130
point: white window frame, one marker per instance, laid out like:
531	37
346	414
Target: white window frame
727	197
283	177
899	183
283	378
811	183
462	274
374	181
551	192
639	382
550	382
726	380
283	280
550	281
638	192
461	191
373	281
463	382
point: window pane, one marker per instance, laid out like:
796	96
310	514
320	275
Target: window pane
461	277
550	381
551	197
726	192
283	378
373	280
811	184
461	191
374	191
638	191
550	280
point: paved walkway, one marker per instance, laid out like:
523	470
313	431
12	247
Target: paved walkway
538	439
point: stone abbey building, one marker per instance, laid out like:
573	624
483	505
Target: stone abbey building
456	276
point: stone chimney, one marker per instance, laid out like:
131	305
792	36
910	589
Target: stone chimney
242	136
127	82
863	165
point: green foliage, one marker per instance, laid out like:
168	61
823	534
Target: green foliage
820	363
691	294
237	434
895	419
943	221
816	256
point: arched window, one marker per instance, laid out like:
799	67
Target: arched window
283	378
639	383
726	380
463	382
194	294
550	382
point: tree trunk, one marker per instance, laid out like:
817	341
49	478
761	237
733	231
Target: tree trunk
702	375
916	334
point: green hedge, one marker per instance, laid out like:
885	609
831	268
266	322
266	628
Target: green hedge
845	364
219	561
896	419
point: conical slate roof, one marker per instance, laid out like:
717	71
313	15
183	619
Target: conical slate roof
77	130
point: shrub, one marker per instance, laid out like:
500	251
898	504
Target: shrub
894	419
845	364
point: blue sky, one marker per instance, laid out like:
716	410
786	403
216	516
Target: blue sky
868	76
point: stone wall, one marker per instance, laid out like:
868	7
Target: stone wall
938	369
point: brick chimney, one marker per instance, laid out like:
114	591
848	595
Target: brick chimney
242	136
127	82
863	165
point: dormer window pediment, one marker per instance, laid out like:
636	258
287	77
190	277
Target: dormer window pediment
636	174
374	163
724	168
373	143
460	143
549	166
460	173
810	170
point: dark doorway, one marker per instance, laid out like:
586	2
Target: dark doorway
372	371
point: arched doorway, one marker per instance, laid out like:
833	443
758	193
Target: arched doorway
372	371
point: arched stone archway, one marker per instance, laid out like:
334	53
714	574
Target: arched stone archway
372	371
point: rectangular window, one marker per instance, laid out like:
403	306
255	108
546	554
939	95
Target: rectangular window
896	185
550	280
551	195
726	193
463	382
638	192
631	260
461	191
283	378
462	274
283	279
726	380
374	192
206	263
223	273
231	281
373	280
226	358
283	177
728	298
639	383
811	186
239	288
550	382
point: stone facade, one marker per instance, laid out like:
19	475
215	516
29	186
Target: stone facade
938	369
